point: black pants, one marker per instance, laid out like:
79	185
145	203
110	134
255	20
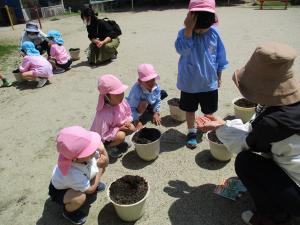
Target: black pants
273	191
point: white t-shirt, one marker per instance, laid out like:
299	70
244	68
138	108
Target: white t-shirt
78	176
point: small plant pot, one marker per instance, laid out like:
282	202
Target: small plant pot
74	53
175	112
243	109
18	77
147	143
217	148
128	212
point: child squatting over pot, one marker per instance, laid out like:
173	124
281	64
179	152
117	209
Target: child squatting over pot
113	120
58	52
34	67
146	95
81	163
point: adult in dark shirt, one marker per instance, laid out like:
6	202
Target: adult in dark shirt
268	160
104	39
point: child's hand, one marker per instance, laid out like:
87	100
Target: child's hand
219	82
190	21
156	118
138	125
102	161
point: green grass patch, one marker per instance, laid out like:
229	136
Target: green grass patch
6	50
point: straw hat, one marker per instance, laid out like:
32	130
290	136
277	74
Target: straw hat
269	78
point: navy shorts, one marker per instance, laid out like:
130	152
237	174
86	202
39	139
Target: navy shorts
208	101
65	66
57	195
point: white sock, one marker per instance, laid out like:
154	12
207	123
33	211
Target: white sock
192	130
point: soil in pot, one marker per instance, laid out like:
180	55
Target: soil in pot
128	190
146	136
213	137
174	102
242	102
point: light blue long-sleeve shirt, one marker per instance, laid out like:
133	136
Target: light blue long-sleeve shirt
202	57
138	94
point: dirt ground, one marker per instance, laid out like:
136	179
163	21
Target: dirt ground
181	180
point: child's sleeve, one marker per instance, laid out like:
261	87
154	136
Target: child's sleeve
25	66
156	105
79	182
128	112
183	45
221	56
134	101
102	125
53	51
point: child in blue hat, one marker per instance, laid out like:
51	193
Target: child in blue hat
58	52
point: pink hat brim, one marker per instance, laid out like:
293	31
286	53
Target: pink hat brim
92	147
120	90
203	9
153	76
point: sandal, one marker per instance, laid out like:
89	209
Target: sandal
191	140
114	152
101	187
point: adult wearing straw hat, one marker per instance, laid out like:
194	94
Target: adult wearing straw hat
268	147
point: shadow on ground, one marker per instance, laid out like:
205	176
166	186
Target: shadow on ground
52	213
25	85
133	162
108	215
168	121
199	205
172	140
205	160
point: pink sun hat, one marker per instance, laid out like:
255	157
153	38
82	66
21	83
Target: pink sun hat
147	72
109	84
73	143
202	5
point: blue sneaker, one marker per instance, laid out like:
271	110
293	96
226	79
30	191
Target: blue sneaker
76	217
101	187
191	141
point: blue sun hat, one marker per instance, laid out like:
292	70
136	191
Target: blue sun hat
29	48
56	35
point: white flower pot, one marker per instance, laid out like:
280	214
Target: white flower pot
218	151
130	212
150	151
175	112
245	114
74	53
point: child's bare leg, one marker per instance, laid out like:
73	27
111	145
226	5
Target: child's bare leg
28	75
190	119
73	200
119	138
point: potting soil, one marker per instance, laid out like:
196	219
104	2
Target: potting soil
174	102
213	137
146	136
128	190
244	103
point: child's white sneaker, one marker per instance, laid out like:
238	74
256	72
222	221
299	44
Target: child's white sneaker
41	82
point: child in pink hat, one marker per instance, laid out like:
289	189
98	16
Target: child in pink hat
81	163
113	119
146	95
202	60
